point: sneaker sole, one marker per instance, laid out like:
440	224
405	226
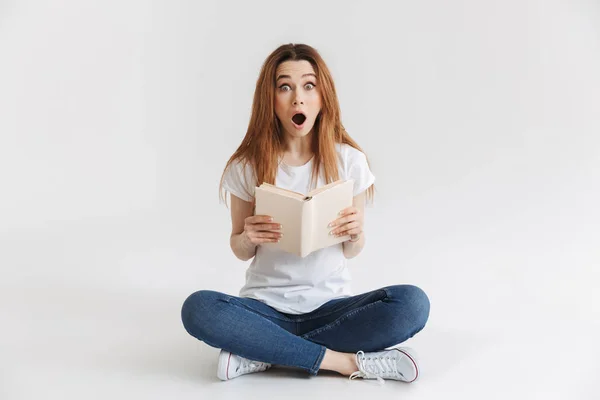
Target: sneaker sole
406	351
223	366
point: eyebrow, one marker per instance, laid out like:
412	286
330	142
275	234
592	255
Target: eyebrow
287	76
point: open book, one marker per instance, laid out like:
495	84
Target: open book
304	217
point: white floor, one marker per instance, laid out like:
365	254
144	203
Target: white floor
91	311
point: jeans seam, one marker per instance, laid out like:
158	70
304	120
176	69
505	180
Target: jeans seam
315	368
339	320
387	293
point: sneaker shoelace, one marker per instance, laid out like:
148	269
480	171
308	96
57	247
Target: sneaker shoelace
378	365
251	366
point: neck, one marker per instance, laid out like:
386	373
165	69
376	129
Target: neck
299	147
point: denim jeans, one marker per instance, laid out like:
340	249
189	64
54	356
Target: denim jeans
370	321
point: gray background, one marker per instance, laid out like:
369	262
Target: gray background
481	120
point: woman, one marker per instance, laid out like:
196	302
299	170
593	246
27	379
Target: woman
297	311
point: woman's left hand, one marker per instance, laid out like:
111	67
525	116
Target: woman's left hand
350	222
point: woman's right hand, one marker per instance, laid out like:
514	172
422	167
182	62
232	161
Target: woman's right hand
261	229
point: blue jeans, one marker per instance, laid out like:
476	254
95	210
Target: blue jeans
249	328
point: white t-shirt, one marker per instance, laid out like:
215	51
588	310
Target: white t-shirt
284	281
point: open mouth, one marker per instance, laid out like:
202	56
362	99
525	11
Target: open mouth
299	119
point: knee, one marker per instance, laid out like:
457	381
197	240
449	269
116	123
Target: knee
197	309
413	302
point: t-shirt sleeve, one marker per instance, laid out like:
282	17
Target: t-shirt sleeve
358	169
238	180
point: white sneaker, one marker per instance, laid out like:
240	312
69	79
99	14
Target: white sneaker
231	366
399	364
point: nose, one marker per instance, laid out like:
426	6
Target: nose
297	101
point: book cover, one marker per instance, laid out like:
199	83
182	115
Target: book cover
304	217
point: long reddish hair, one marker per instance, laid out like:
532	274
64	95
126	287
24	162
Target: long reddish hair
264	140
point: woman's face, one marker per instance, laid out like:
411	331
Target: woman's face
296	93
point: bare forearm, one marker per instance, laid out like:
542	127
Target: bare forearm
352	249
242	247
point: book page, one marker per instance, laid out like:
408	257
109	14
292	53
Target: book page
316	191
324	209
286	211
282	191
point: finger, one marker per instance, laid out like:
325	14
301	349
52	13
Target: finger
344	220
351	232
259	240
268	235
260	219
266	227
355	231
251	224
349	210
344	228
